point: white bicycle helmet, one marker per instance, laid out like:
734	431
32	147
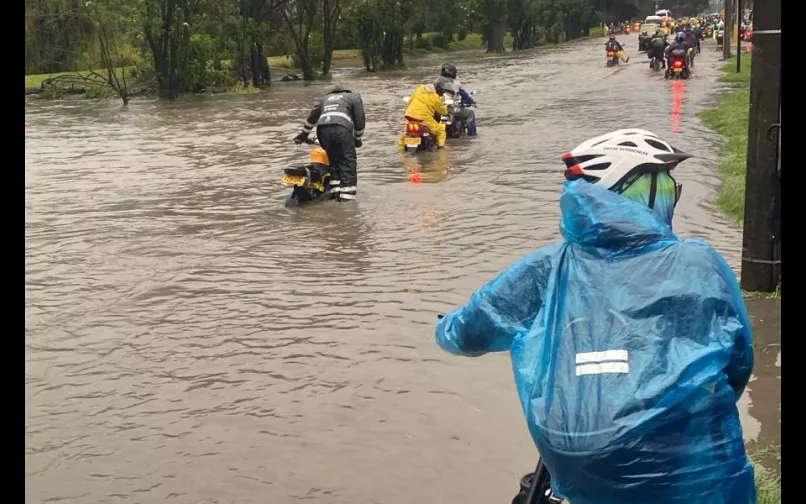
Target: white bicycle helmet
613	158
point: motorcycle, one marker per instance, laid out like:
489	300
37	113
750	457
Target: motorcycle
627	30
418	137
678	69
310	180
536	487
720	40
612	58
455	128
643	41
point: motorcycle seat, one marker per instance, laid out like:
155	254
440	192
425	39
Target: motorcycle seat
316	172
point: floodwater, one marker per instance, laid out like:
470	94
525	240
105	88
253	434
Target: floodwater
190	340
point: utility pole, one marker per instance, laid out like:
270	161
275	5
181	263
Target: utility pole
739	19
761	253
728	29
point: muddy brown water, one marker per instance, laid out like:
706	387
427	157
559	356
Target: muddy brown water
190	340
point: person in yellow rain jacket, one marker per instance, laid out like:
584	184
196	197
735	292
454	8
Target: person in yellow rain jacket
426	102
613	45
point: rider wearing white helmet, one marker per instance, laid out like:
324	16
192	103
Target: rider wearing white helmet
619	160
630	346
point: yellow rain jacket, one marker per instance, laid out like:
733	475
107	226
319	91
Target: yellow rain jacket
423	104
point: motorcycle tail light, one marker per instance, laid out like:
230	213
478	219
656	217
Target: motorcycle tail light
678	63
413	127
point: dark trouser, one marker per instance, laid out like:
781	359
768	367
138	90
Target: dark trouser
658	53
339	143
467	117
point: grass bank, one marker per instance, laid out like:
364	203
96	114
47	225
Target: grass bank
730	120
767	463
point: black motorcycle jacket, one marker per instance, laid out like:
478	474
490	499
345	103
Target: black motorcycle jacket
658	44
340	106
613	45
677	46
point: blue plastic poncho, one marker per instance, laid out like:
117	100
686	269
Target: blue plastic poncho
630	348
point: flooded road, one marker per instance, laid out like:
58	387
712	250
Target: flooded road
190	340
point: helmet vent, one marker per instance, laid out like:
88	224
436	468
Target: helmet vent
657	145
628	144
572	160
599	166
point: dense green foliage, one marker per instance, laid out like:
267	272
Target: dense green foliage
204	45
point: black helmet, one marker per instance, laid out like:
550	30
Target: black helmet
448	70
444	85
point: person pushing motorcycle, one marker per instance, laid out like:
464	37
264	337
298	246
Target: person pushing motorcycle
426	102
464	115
341	121
613	45
630	346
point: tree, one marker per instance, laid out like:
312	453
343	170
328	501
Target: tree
57	33
494	15
170	45
299	15
331	11
106	32
379	28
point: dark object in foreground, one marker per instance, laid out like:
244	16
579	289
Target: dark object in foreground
536	488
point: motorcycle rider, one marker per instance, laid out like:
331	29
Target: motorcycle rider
678	44
630	346
698	37
465	114
341	121
657	48
613	45
691	43
426	102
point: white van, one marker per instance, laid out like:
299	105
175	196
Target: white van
664	13
652	23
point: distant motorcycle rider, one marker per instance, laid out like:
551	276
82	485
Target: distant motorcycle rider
678	44
657	48
613	45
465	114
425	103
341	121
691	41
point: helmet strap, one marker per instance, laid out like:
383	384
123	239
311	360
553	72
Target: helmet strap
653	189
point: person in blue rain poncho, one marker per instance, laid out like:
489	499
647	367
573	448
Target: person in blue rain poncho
629	345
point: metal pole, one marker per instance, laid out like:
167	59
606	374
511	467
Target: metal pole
739	18
761	255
